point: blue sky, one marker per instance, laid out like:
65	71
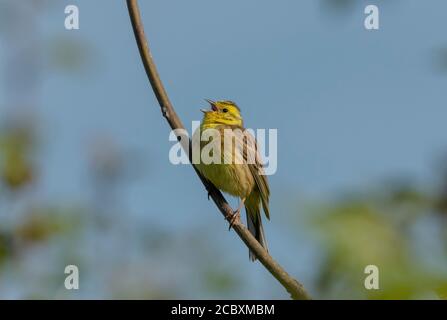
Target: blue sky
352	107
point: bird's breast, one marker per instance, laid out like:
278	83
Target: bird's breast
235	179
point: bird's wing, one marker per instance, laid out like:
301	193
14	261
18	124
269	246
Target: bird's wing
252	158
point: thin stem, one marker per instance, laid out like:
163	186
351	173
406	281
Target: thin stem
295	288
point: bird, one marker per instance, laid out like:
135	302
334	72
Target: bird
243	176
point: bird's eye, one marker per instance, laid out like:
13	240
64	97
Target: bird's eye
225	110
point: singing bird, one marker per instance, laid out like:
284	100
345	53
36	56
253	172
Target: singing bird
243	176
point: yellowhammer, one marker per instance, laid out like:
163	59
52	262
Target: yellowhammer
239	171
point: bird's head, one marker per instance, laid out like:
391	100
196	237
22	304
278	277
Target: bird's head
222	112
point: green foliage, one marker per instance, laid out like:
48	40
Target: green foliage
376	230
16	143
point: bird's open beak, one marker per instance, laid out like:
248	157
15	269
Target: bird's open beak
212	104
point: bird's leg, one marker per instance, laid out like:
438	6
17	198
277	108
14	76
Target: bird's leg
236	214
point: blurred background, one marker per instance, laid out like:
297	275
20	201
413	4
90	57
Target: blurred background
362	163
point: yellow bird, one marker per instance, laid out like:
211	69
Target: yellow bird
243	175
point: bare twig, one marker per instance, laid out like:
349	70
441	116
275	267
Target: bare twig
295	288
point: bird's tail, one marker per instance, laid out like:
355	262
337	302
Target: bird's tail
254	223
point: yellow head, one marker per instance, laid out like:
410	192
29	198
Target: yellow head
222	112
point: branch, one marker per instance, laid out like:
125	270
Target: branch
295	288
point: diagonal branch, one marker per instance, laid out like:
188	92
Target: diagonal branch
295	288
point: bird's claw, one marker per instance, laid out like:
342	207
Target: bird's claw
233	218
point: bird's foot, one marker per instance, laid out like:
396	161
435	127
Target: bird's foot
236	216
209	195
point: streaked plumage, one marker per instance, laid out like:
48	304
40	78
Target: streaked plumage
243	177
